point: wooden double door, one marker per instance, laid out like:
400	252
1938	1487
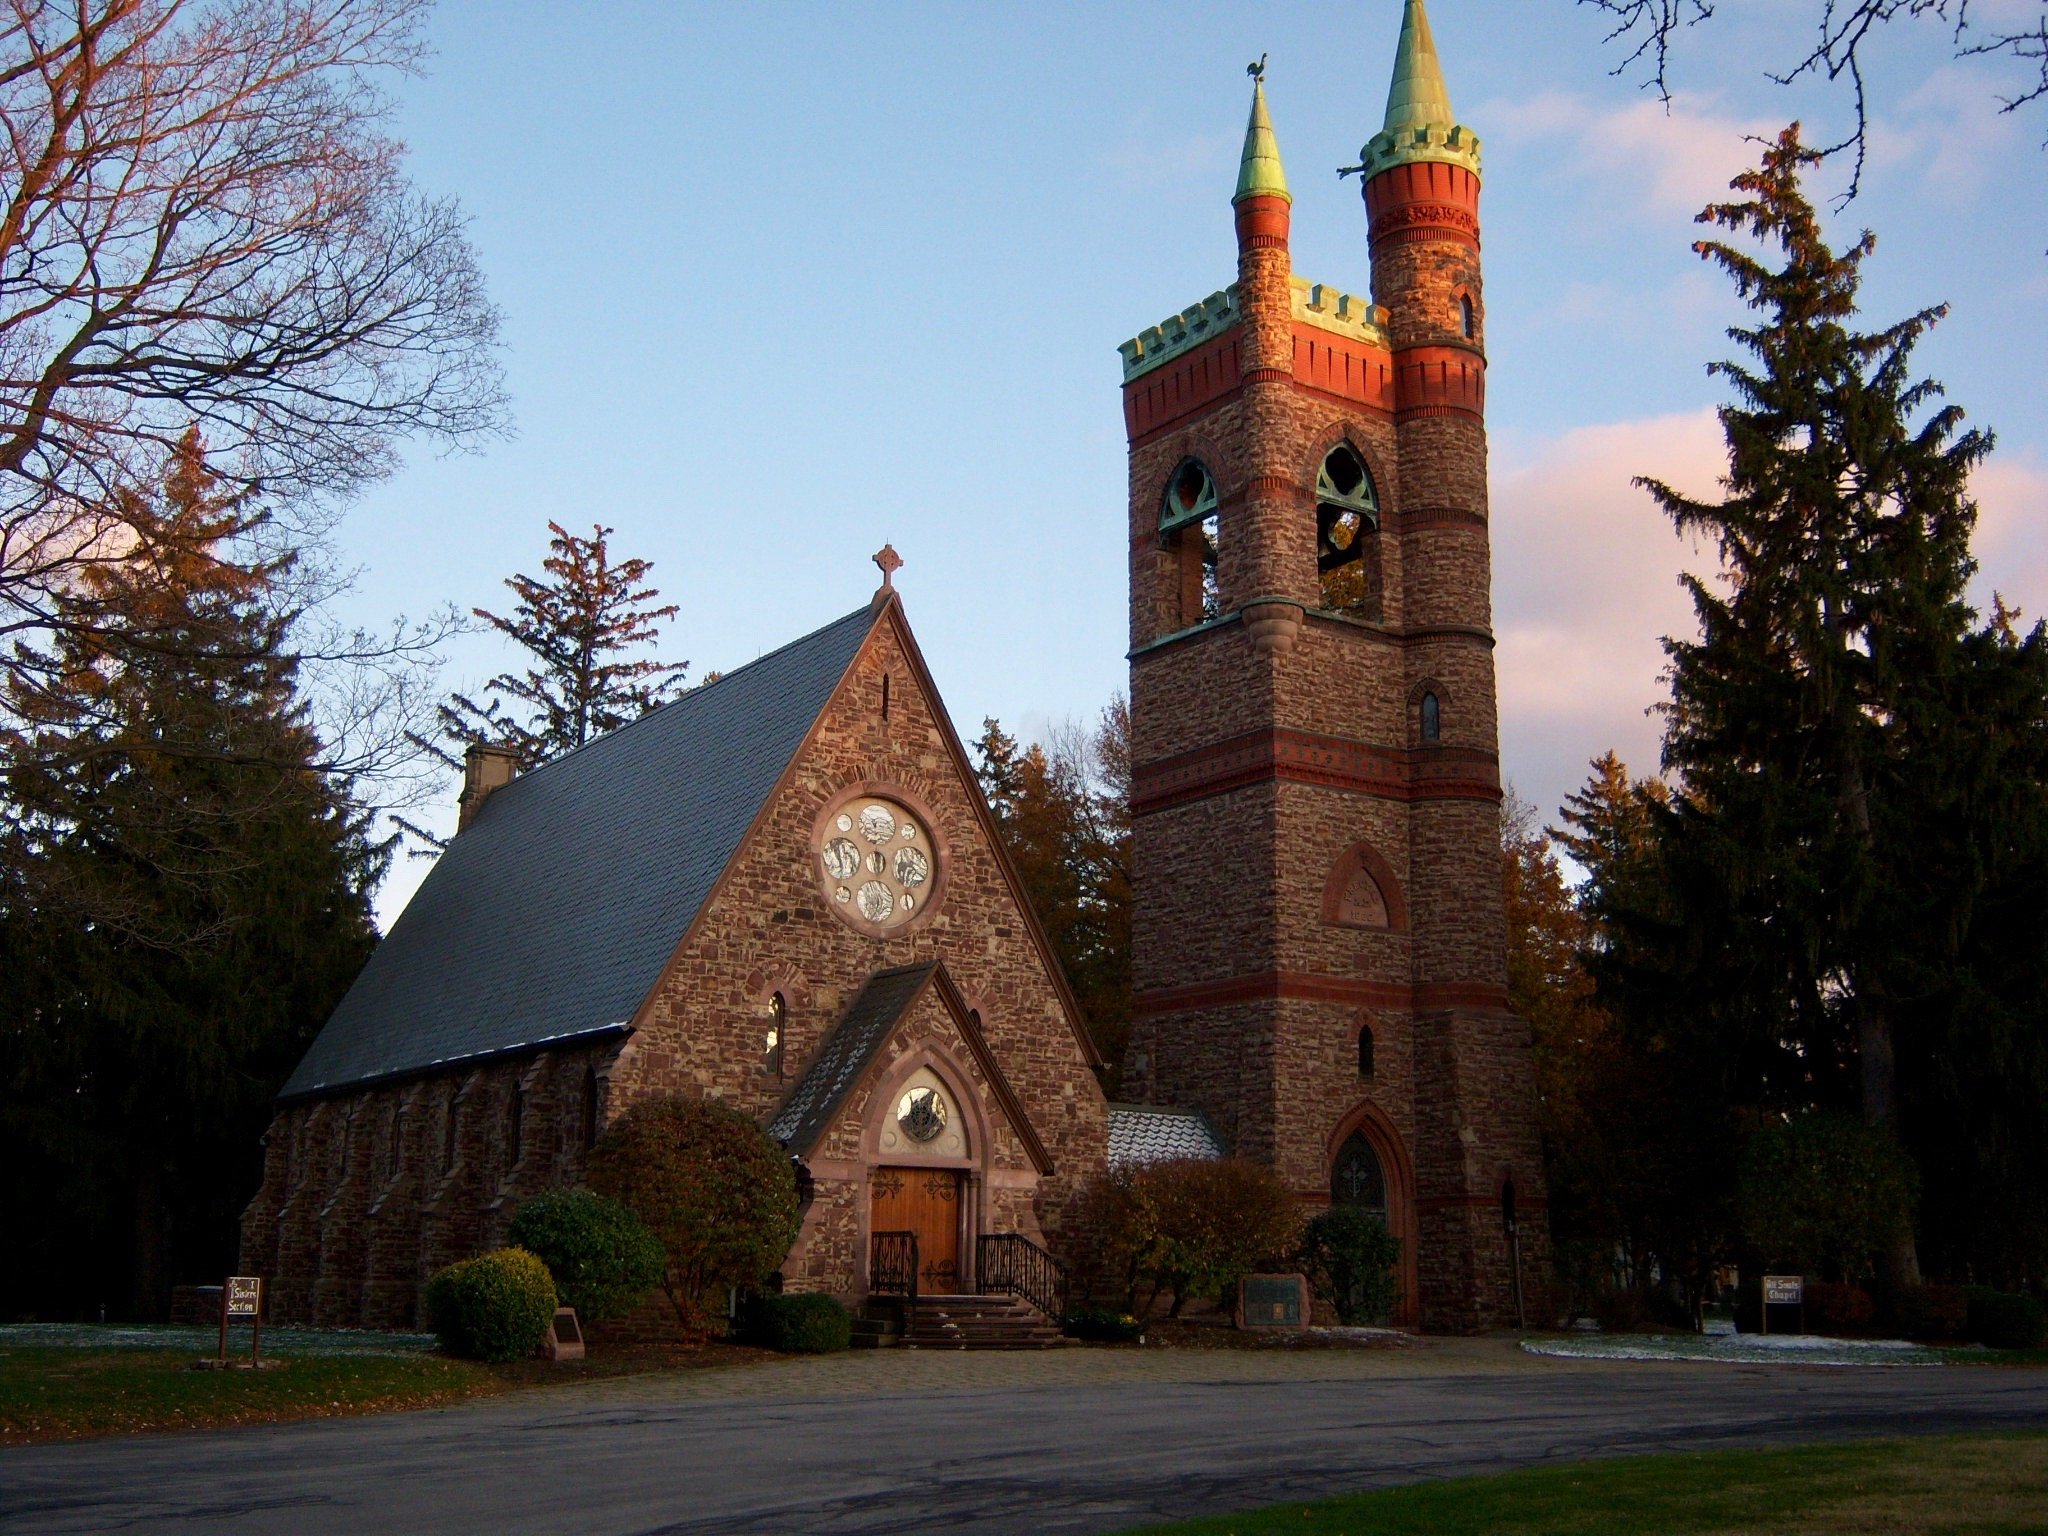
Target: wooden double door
925	1201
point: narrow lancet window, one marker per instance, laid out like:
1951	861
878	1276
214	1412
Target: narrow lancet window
1469	316
778	1025
1432	718
1188	527
1365	1062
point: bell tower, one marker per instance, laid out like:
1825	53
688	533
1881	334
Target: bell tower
1319	935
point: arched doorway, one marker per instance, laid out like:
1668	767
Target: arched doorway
1369	1169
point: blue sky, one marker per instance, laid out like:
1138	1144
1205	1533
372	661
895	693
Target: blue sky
781	282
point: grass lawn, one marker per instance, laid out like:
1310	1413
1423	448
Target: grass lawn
66	1387
1982	1485
62	1394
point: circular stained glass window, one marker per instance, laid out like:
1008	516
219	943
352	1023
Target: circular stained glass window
877	862
921	1114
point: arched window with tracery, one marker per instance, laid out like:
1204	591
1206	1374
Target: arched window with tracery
1357	1179
1188	526
1347	533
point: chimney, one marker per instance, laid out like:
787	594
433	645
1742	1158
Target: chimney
486	768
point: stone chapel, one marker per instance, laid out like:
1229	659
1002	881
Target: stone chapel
785	890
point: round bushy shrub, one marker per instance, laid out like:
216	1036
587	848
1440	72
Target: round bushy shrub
712	1186
1188	1227
602	1256
1102	1325
2005	1321
1349	1257
802	1324
1931	1312
1841	1311
495	1307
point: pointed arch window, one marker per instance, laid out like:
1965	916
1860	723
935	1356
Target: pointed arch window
1432	717
1188	524
1347	528
1468	316
1357	1178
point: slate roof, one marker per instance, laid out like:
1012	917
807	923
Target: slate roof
550	916
842	1058
1144	1133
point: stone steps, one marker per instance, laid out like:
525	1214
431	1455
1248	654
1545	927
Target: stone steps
977	1322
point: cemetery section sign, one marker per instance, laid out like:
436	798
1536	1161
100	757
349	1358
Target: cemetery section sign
243	1296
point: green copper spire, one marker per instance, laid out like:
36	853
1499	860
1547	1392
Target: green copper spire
1419	98
1259	173
1420	123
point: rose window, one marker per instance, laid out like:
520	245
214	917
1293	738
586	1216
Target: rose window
877	862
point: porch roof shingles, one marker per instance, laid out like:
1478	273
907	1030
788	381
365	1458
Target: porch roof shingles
550	917
1145	1133
845	1055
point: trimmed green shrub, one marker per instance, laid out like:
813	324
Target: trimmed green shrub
1826	1194
1102	1325
603	1258
712	1186
804	1324
1349	1257
495	1307
1931	1312
2006	1321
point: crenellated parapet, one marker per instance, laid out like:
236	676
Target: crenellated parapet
1424	143
1200	322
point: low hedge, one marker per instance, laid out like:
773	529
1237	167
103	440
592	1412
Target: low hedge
2006	1321
800	1325
1102	1325
495	1307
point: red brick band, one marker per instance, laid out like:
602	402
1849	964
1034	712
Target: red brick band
1423	518
1269	376
1328	762
1300	986
1417	412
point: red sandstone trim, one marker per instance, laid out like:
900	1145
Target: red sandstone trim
1269	376
1409	413
1442	517
1388	1144
1364	856
1331	762
1270	986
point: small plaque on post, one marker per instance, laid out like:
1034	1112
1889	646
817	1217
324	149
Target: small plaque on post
241	1298
1272	1301
565	1336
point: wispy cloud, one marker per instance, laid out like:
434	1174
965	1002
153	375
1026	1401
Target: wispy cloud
1658	160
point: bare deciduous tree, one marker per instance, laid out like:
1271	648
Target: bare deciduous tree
205	223
1649	29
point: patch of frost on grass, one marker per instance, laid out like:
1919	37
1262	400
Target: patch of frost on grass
1736	1349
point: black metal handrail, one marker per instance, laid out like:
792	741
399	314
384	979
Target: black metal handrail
1009	1263
892	1265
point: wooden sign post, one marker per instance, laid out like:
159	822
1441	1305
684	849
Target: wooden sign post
242	1296
1783	1291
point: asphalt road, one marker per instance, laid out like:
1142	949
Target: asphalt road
1051	1452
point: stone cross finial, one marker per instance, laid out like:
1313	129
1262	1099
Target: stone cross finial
890	563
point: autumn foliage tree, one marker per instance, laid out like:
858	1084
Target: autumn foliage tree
1063	811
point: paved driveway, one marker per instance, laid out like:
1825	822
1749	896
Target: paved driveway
1077	1441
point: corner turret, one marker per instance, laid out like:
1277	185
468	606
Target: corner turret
1420	124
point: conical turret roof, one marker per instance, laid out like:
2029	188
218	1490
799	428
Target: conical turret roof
1418	98
1259	173
1420	123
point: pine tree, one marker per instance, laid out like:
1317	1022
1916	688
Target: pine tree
576	621
185	899
1824	721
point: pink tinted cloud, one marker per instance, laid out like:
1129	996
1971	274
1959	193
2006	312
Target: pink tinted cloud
1585	582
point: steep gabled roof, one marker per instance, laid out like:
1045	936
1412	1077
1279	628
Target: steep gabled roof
551	916
849	1052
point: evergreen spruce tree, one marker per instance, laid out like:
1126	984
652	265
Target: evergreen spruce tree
1858	758
576	621
185	899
